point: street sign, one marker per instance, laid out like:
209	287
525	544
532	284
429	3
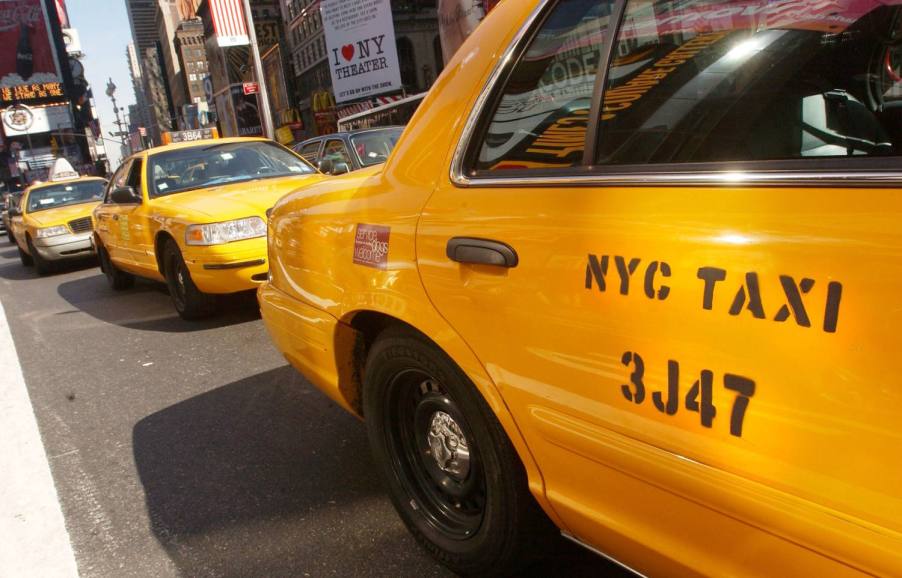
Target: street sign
250	88
142	131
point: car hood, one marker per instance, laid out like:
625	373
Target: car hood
61	215
231	201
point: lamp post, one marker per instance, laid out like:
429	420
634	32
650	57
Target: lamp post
265	114
111	92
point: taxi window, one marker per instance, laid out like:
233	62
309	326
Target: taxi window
704	81
541	117
222	163
65	194
119	180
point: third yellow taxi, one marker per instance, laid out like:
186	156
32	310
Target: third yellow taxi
632	271
192	214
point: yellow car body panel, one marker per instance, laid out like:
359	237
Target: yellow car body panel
807	484
134	233
26	225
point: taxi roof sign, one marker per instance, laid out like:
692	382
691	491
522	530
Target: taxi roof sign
189	135
62	170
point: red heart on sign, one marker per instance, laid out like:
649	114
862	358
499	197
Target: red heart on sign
348	52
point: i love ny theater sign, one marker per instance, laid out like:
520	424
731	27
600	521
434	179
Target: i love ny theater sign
360	39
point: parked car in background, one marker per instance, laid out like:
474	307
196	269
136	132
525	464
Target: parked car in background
633	269
344	152
53	222
193	215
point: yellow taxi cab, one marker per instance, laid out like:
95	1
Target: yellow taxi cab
53	220
192	215
633	268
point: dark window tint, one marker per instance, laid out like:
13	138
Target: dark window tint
699	81
541	118
310	151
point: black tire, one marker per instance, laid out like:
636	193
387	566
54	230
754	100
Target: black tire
474	514
26	259
189	301
9	235
117	279
41	266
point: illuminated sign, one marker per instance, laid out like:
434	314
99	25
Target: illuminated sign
29	92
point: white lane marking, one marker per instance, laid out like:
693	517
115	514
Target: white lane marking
34	538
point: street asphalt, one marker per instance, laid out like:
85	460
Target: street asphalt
193	449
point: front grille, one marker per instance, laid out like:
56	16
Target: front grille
82	225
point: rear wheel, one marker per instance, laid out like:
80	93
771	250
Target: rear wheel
41	265
117	279
453	475
9	235
189	301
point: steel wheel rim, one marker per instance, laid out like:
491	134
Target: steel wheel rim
449	491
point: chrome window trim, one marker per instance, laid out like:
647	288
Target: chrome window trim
457	173
650	177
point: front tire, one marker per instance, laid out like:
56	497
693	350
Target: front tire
452	473
117	279
41	265
26	259
190	303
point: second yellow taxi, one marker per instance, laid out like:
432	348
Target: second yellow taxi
193	216
52	222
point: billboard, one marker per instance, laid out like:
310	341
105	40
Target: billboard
360	44
28	63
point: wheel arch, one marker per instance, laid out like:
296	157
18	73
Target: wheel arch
358	330
159	241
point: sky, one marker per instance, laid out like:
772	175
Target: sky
105	34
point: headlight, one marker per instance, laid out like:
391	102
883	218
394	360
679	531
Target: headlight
52	232
222	233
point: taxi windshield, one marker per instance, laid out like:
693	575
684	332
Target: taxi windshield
219	164
373	147
64	194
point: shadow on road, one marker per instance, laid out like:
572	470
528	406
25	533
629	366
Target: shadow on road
267	477
15	271
147	307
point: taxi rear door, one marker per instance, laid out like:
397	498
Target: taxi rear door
702	362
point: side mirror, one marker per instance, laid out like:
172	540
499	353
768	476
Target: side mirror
13	210
125	196
325	166
340	168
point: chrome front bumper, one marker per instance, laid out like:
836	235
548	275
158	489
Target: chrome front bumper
71	246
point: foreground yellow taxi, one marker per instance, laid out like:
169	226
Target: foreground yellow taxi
53	220
634	269
193	215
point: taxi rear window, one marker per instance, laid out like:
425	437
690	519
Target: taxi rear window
750	81
695	82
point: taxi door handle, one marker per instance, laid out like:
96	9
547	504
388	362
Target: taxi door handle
474	251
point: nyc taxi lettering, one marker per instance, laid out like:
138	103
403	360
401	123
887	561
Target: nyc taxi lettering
737	294
699	398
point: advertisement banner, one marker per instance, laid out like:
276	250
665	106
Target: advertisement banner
21	120
28	65
360	43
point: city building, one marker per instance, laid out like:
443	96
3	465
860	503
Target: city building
419	54
192	56
140	117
